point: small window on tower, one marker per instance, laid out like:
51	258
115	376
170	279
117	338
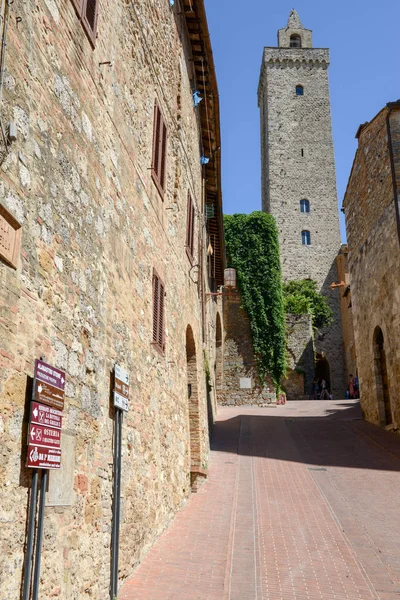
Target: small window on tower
299	90
295	41
304	206
306	238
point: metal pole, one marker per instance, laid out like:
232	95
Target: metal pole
38	556
118	500
31	531
114	557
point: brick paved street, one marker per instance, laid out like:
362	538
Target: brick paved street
302	503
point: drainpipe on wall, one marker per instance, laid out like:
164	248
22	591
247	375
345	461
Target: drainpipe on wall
391	106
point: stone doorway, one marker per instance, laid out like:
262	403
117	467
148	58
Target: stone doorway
381	379
323	370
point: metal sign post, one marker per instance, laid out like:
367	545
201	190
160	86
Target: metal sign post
120	399
44	452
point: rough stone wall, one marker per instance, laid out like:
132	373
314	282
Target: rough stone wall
346	310
300	357
298	163
374	261
239	361
93	229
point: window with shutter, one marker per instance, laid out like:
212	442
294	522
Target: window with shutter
158	166
87	11
190	228
158	334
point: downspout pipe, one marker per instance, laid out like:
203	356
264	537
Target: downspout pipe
392	106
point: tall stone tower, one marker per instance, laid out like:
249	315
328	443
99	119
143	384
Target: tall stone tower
298	173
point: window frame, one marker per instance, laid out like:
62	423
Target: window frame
297	37
159	151
306	235
306	203
158	313
190	228
80	9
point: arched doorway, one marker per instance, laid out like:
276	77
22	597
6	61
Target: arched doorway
218	359
193	400
323	370
381	379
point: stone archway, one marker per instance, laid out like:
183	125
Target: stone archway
218	366
193	400
381	380
323	370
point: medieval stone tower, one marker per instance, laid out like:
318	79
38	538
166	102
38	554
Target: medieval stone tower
298	172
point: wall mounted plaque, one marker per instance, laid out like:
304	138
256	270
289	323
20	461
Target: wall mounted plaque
10	237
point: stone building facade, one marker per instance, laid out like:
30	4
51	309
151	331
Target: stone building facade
238	382
346	310
299	356
104	211
371	207
298	172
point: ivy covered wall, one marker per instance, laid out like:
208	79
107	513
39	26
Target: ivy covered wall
253	250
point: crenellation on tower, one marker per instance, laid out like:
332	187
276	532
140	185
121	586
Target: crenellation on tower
298	170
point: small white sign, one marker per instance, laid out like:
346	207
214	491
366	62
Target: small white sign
121	374
121	402
245	383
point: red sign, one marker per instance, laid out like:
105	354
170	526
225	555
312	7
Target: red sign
45	437
45	415
49	374
43	458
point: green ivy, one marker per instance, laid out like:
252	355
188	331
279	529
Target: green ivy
253	250
302	297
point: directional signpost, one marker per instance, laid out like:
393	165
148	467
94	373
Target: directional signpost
44	452
44	435
121	388
121	403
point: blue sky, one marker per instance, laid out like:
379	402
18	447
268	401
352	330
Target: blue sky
364	41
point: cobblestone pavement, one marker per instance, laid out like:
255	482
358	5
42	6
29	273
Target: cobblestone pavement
302	503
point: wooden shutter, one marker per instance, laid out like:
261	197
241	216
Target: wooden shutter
158	165
89	18
161	317
155	308
190	227
158	333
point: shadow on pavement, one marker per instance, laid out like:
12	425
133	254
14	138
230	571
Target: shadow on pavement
337	438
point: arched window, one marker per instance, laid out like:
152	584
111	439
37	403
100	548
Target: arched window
295	41
304	206
299	90
306	238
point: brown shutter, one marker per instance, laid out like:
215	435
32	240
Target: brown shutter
156	141
188	221
158	164
91	13
192	231
163	144
155	308
161	317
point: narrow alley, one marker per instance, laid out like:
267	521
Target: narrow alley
301	503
